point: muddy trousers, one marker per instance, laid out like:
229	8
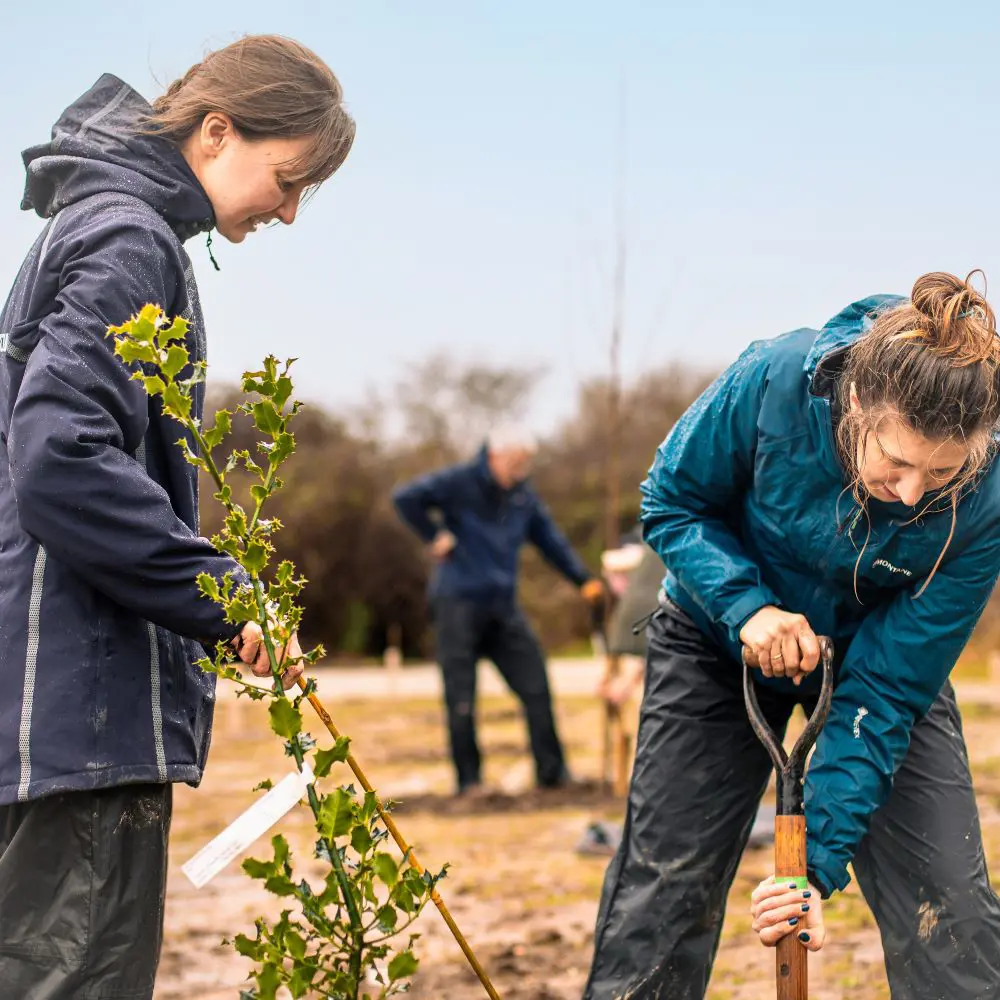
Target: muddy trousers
82	883
468	631
698	778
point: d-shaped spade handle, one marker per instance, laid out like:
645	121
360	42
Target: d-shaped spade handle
790	768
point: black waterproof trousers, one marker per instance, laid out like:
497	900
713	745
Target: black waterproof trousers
468	631
83	878
698	778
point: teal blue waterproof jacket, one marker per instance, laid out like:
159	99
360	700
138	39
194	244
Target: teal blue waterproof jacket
747	504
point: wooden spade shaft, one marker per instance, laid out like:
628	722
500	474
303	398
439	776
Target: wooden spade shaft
791	975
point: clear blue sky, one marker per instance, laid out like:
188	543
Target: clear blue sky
782	159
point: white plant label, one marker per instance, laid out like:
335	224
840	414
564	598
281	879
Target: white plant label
246	828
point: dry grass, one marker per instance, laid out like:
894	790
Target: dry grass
526	900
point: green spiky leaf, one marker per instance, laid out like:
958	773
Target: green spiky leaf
323	760
286	720
174	361
386	868
402	966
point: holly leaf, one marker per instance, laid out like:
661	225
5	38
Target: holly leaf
282	390
281	852
402	966
280	885
284	445
361	840
222	426
286	720
131	351
387	917
176	359
386	868
404	899
255	557
177	330
266	417
153	384
323	760
296	946
209	586
256	868
301	980
336	814
175	402
268	981
248	947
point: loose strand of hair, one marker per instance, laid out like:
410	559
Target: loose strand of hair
944	548
861	554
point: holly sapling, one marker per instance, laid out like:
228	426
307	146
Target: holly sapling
336	937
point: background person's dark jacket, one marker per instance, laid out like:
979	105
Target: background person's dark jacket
490	525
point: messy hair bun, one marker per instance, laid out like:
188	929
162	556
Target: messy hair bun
955	320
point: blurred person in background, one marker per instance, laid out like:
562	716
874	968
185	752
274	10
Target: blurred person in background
474	518
634	574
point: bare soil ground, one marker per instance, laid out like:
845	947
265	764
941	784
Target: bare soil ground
524	898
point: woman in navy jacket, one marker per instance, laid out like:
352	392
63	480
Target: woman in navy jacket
100	616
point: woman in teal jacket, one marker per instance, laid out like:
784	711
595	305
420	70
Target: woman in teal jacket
840	483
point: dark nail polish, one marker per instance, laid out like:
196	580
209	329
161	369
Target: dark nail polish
803	936
792	885
793	921
806	894
805	907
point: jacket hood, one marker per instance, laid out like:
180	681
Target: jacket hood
96	148
849	324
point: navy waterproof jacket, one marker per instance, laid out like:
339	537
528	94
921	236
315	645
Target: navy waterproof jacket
746	504
490	525
100	616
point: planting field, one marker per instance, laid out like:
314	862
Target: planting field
524	898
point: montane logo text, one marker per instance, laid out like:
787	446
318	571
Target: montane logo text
889	566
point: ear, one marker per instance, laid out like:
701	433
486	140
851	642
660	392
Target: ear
855	402
215	132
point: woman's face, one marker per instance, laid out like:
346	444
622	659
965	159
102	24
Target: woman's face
246	180
899	465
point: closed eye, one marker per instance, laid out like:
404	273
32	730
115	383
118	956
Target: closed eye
938	474
944	473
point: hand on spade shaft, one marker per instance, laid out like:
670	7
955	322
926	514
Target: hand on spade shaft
778	910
